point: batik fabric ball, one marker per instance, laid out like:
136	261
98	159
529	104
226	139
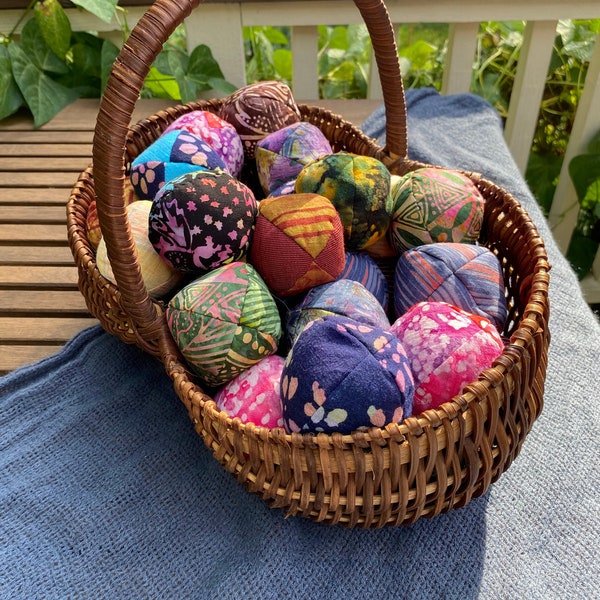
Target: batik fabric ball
298	243
224	322
447	348
362	268
343	376
343	297
220	135
254	395
359	188
435	205
158	277
258	109
94	233
281	155
202	220
465	275
173	154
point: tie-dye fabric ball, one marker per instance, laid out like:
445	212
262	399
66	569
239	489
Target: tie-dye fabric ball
343	297
217	133
359	188
434	205
202	220
362	268
224	322
158	277
343	376
254	395
465	275
298	243
173	154
258	109
447	348
281	155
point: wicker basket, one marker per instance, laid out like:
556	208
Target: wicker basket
428	464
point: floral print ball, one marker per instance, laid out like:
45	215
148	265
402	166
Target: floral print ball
202	220
343	376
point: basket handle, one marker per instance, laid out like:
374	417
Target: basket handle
116	109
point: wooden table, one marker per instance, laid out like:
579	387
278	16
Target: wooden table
40	305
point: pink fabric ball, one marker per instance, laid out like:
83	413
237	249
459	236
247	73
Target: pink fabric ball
253	395
447	349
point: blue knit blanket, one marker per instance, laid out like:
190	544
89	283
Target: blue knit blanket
107	492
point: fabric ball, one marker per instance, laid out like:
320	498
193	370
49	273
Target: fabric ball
158	277
220	135
92	223
342	376
464	275
253	395
362	268
258	109
202	220
224	322
298	243
359	188
447	347
343	297
173	154
281	155
435	205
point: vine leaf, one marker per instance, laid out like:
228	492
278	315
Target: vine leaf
11	98
54	26
35	47
103	9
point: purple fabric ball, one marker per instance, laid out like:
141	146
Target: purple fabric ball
362	268
342	376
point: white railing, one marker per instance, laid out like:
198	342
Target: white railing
219	26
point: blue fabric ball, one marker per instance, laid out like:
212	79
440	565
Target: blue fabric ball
341	375
362	268
465	275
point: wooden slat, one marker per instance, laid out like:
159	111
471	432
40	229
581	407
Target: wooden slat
61	164
13	356
305	41
34	234
38	277
36	255
33	214
40	136
46	330
458	70
41	302
22	196
38	180
46	149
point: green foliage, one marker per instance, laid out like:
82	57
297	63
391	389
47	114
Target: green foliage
268	54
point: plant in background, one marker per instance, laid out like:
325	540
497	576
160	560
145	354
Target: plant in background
48	66
268	54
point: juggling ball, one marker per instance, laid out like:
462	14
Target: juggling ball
465	275
202	220
158	277
173	154
254	395
281	155
224	322
342	297
435	205
220	135
359	188
298	243
447	348
362	268
341	375
258	109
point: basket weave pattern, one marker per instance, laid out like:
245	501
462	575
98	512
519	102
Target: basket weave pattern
428	464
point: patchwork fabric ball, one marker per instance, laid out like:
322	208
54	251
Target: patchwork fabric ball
435	205
298	243
220	135
342	376
94	233
202	220
343	297
224	322
173	154
447	347
464	275
362	268
158	277
359	188
281	155
254	395
258	109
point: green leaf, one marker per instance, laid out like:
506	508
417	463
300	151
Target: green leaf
221	85
103	9
594	144
54	26
542	175
276	36
581	252
159	85
108	54
44	97
36	48
202	64
585	174
11	98
282	61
